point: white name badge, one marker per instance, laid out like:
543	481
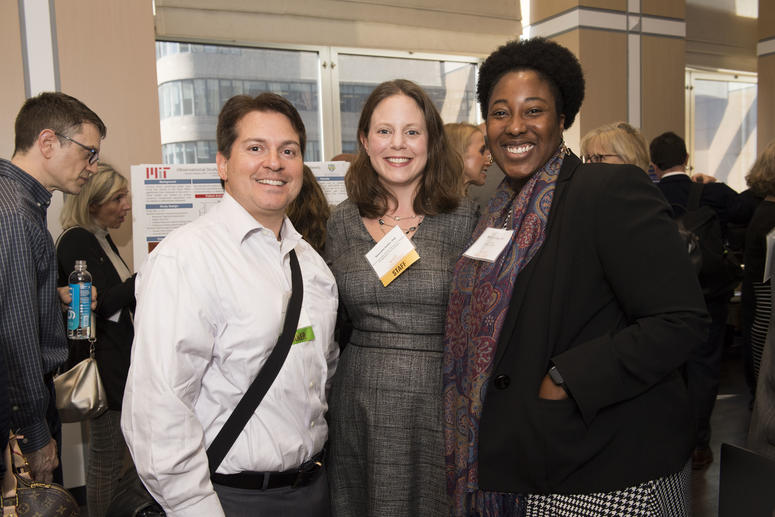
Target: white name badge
392	255
489	245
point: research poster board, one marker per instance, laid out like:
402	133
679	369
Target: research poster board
330	176
165	197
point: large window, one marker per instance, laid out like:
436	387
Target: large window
202	151
450	84
195	80
207	96
721	124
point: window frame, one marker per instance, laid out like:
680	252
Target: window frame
329	114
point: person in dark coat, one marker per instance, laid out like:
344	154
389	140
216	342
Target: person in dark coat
569	322
103	204
669	156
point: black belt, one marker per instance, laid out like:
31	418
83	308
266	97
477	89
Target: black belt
294	478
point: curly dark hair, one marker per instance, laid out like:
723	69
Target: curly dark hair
554	63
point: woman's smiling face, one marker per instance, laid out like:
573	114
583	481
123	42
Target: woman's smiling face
397	141
524	129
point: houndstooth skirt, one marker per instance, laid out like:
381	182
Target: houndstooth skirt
669	496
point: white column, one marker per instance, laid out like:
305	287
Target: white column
38	29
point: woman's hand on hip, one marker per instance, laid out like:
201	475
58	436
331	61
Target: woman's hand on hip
550	391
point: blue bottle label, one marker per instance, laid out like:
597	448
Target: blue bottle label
79	310
84	297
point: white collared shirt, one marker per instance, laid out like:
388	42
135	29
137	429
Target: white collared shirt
211	302
676	173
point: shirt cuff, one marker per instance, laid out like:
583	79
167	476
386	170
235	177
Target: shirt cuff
210	506
35	437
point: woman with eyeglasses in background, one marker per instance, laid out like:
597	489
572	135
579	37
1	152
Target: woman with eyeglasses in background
617	142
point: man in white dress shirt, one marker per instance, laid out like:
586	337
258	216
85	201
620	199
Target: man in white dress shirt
211	302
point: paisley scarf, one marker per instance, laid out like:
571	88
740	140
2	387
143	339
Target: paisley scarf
478	303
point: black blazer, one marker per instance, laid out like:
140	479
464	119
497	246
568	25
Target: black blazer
613	302
114	339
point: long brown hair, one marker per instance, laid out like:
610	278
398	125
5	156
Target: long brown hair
309	212
440	187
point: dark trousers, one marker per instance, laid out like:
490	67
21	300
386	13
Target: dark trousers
55	428
307	501
704	368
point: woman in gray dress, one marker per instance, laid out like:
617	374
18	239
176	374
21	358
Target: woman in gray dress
386	444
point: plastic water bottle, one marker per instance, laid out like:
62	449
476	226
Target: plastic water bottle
79	312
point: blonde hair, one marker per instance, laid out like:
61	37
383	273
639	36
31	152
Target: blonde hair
761	179
459	135
621	139
98	190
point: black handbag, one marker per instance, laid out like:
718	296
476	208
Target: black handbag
132	499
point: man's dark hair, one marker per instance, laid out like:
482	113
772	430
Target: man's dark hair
240	105
668	150
56	111
551	61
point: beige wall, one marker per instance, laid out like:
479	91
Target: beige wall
766	102
719	39
112	67
663	77
109	63
452	26
12	85
766	72
604	58
666	8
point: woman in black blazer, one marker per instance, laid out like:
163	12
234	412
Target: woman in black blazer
566	334
103	203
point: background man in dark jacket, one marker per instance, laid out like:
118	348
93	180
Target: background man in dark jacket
669	156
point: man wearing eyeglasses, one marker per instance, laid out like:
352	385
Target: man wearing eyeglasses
56	148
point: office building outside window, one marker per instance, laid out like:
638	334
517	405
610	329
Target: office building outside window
195	80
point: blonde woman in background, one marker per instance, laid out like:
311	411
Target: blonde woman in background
468	140
760	292
617	142
103	203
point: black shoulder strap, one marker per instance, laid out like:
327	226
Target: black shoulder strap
695	193
263	381
56	244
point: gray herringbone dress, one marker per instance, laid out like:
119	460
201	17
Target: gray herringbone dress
386	445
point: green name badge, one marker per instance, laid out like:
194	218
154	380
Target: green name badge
303	335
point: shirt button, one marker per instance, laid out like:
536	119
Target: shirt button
312	424
16	408
502	381
311	385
